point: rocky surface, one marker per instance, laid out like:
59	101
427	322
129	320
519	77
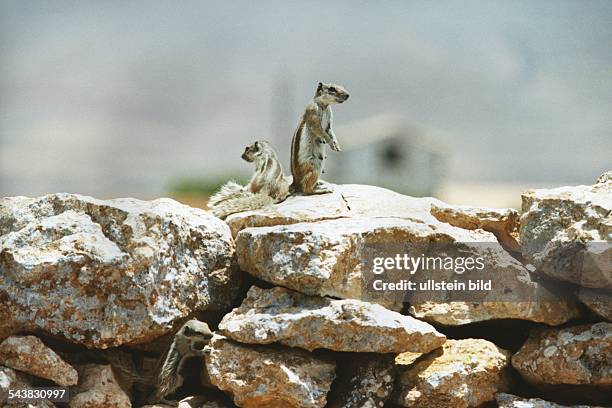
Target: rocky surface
98	388
503	223
30	355
14	380
326	258
297	320
598	300
512	401
197	401
366	382
347	201
269	377
464	373
566	233
125	270
579	355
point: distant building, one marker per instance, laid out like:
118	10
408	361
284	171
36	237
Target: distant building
387	151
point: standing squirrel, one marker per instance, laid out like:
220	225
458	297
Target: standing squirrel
267	185
314	130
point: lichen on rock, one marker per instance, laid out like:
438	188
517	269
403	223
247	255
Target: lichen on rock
108	272
578	355
462	374
269	377
309	322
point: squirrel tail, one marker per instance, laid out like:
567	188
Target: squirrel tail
245	201
228	191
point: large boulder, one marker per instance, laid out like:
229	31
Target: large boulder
462	374
30	355
329	257
579	355
346	201
566	233
297	320
269	377
108	272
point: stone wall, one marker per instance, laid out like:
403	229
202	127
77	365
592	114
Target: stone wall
283	289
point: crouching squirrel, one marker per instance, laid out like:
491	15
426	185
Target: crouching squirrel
313	132
267	185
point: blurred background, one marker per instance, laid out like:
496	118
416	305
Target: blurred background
469	101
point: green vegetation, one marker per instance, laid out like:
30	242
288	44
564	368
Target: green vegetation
203	185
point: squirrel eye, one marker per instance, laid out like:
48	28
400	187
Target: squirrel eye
332	89
187	331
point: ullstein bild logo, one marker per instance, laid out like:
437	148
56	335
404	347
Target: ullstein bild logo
473	271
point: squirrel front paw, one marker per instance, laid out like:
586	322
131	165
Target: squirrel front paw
335	146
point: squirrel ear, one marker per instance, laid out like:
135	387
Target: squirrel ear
319	87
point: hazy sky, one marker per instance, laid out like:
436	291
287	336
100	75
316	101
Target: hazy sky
120	97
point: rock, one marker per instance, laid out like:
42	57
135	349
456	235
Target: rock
572	355
269	377
503	223
566	233
126	270
297	320
550	312
347	201
197	401
30	355
367	382
326	258
598	300
13	380
98	388
406	358
464	373
512	401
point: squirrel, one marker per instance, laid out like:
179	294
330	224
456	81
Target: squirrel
190	341
267	185
307	145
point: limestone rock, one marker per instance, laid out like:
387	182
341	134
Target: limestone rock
297	320
512	401
98	388
566	233
125	270
269	377
326	258
546	310
464	373
13	380
573	355
503	223
30	355
349	200
367	382
197	401
598	300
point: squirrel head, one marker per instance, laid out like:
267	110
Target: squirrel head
192	339
329	93
257	149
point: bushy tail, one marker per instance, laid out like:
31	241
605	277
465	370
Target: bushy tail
245	201
228	191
